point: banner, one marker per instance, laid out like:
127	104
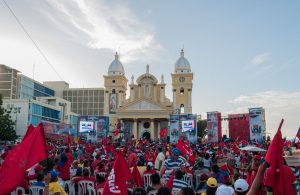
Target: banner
257	124
183	125
174	128
214	127
59	128
101	125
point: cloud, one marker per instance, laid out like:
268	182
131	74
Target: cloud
278	104
113	27
260	58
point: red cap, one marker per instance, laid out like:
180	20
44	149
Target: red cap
257	157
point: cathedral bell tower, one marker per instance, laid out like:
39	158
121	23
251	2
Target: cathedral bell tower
115	84
182	84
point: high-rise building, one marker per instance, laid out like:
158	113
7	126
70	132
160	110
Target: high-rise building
31	102
8	82
85	101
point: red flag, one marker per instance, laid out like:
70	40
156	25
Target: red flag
116	133
298	133
274	158
137	177
116	181
29	130
163	133
169	184
30	151
182	147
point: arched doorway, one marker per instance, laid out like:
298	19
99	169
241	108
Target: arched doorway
146	135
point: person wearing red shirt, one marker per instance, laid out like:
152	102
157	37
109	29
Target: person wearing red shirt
253	169
132	158
64	167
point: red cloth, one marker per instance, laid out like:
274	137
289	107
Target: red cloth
285	180
132	159
29	152
169	184
163	133
298	133
117	178
182	147
137	177
29	131
279	177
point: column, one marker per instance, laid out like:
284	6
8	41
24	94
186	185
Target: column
158	128
174	99
152	128
135	128
131	93
154	95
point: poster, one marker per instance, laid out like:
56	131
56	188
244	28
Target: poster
112	103
174	128
101	125
212	127
59	128
177	130
257	124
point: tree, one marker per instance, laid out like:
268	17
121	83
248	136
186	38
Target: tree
202	128
7	132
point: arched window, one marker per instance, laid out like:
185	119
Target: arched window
181	91
113	91
181	109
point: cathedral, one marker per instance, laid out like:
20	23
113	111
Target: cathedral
147	110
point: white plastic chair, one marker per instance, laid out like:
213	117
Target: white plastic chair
35	190
70	186
153	192
147	180
17	190
91	190
188	178
83	186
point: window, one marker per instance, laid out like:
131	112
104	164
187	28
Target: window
181	91
113	91
113	81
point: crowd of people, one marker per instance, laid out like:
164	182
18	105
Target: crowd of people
163	168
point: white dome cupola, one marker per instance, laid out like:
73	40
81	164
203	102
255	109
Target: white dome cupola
116	67
182	65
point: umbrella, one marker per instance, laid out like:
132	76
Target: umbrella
253	149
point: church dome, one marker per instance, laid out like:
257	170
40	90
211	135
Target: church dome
116	67
182	65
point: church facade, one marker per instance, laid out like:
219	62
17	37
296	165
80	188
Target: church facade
147	109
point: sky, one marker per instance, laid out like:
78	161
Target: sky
243	54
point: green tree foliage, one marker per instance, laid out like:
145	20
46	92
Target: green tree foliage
202	128
7	132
